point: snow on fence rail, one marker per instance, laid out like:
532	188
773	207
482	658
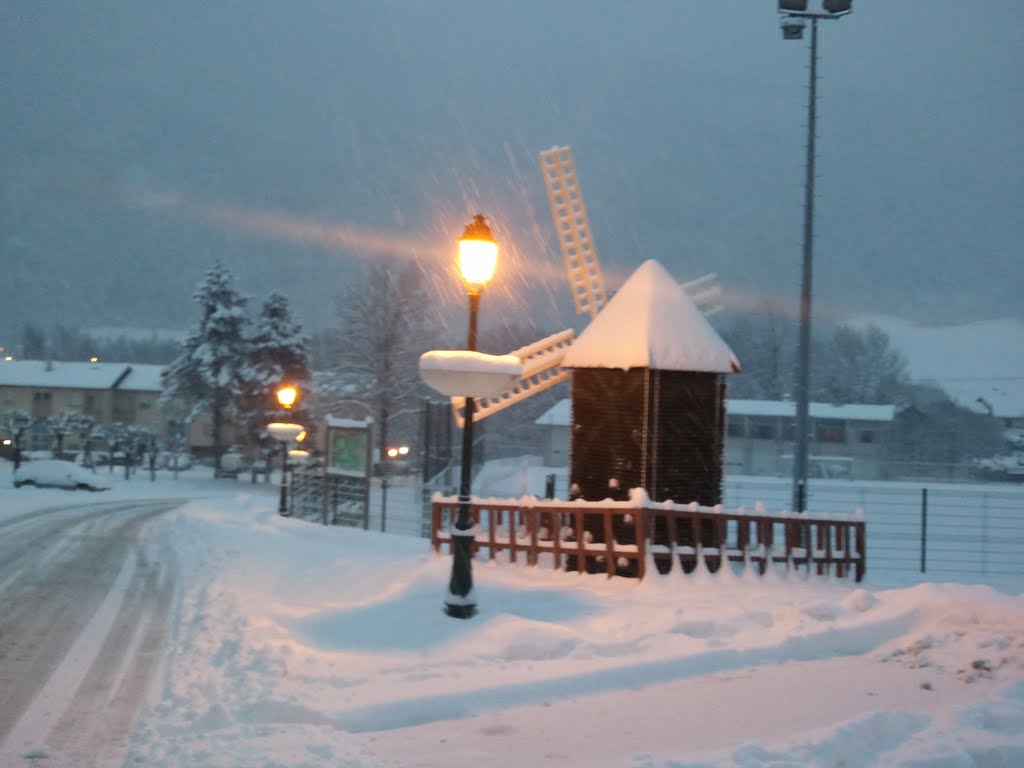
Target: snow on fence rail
623	538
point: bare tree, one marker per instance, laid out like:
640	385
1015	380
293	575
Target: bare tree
381	336
860	366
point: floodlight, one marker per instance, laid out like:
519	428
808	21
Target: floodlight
837	6
792	29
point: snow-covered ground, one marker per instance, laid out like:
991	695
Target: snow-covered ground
299	645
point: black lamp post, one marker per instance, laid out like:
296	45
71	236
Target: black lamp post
285	433
478	255
793	13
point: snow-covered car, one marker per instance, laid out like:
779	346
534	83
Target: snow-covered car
51	473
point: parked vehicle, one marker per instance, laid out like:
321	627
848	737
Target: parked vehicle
52	473
232	464
167	459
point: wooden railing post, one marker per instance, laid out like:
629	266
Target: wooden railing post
609	542
580	543
641	542
862	550
435	525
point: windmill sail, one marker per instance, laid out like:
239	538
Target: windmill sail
542	360
570	216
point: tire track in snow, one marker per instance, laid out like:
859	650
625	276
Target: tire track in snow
409	712
78	621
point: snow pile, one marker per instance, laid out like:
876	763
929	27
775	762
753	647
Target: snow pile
297	645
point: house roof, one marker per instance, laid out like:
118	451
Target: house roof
854	412
78	375
651	323
560	414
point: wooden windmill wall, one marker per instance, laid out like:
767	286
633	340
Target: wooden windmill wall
663	431
648	401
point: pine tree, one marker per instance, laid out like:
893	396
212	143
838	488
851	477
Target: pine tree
278	353
212	371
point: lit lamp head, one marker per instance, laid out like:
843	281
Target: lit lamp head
478	254
287	395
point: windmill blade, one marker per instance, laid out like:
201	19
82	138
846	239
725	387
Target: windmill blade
542	369
573	229
706	293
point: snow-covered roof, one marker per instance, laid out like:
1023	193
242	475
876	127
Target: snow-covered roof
76	375
855	412
651	323
116	332
143	378
560	414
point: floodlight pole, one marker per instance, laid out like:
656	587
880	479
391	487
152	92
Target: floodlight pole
804	354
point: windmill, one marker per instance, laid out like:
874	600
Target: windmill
542	360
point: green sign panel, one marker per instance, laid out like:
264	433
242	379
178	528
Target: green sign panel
349	451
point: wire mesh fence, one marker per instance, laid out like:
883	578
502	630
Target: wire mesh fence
955	532
915	531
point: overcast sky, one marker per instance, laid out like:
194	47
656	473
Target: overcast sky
157	136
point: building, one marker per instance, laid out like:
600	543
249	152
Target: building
108	392
848	441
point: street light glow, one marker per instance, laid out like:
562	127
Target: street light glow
478	253
287	395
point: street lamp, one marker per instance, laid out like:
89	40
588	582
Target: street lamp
794	13
286	433
478	256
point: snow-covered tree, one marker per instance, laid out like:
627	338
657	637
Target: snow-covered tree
860	366
765	341
87	431
62	425
16	423
212	372
278	353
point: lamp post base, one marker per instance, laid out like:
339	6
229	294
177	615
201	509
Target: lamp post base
460	602
282	507
460	611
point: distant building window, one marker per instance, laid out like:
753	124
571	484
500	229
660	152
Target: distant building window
831	432
735	427
37	396
144	405
762	429
867	435
90	403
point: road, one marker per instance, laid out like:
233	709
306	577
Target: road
86	595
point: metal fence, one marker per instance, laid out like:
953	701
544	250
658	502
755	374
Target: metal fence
915	531
329	499
938	531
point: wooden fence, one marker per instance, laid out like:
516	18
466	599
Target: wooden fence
616	538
